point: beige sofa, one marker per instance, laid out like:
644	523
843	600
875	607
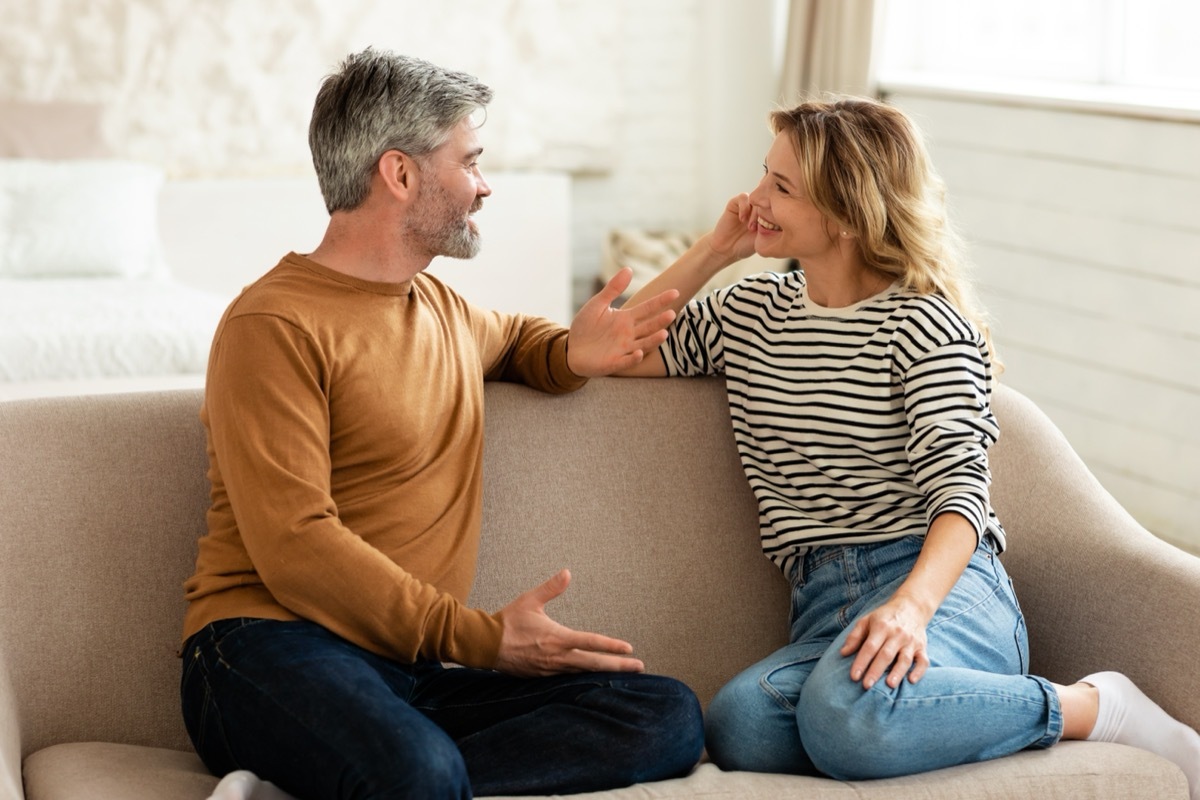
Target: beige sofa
635	485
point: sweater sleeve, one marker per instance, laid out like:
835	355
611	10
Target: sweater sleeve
269	425
695	340
524	349
947	403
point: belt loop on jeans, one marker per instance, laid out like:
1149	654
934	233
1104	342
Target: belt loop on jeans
798	568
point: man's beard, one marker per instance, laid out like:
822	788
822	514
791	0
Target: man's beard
440	229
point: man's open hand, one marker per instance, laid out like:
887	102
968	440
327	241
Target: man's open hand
604	340
535	645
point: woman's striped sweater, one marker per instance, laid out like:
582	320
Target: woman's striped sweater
854	425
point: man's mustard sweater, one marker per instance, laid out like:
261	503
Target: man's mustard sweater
345	443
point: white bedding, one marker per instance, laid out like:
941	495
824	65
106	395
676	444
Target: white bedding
121	287
71	328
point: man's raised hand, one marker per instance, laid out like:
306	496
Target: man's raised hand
604	340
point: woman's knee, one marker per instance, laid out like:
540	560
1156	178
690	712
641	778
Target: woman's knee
749	727
851	733
730	719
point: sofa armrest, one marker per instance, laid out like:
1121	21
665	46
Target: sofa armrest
10	738
1098	590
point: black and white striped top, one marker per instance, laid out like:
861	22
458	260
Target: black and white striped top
854	425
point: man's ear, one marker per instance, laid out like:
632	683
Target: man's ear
399	174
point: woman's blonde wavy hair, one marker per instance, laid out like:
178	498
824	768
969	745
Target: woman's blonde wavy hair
865	167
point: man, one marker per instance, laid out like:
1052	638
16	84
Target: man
344	408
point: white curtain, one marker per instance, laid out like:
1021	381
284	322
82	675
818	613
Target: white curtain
828	49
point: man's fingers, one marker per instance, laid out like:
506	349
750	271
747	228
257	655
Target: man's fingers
654	325
617	284
581	651
595	652
646	344
581	661
551	588
595	643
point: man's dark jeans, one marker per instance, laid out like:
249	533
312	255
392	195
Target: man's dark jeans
324	719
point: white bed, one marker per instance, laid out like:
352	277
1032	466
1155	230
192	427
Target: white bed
85	291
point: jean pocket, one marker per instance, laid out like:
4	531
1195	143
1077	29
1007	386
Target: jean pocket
977	585
1020	631
782	682
229	636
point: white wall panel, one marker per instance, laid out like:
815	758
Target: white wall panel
1168	254
1084	229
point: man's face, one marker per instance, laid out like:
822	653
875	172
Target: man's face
451	189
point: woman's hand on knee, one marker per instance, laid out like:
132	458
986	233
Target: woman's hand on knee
891	639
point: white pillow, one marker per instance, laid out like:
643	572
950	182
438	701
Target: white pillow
79	218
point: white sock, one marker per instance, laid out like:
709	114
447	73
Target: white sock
245	785
1127	716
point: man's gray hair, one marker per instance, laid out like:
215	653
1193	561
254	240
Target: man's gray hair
379	101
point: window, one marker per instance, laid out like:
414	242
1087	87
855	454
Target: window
1139	50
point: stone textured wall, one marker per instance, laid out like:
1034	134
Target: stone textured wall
224	87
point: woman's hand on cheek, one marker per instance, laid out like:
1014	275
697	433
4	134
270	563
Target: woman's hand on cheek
891	639
733	236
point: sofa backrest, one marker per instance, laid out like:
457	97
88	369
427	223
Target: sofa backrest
635	486
102	500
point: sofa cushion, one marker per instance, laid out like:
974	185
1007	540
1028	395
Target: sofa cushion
99	771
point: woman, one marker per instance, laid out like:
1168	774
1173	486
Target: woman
859	390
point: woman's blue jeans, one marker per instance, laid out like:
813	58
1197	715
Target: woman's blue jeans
323	718
797	711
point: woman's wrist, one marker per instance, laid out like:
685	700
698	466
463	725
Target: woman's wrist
925	601
710	260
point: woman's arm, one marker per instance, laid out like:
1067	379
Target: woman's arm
893	635
946	398
730	240
696	267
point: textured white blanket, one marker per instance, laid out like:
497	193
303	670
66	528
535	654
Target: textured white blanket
104	327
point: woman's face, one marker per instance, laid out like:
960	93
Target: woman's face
789	225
